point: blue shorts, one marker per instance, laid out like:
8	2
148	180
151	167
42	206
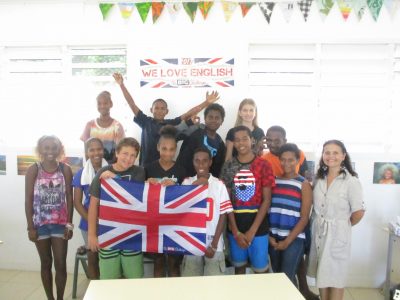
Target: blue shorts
50	230
257	253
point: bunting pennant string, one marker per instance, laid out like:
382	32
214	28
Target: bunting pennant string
286	6
205	7
266	9
143	9
345	8
191	9
287	9
126	9
245	7
156	9
105	9
375	7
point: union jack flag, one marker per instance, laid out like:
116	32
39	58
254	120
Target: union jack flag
152	218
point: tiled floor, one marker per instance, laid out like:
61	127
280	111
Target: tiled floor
22	285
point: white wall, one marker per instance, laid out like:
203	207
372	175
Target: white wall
81	24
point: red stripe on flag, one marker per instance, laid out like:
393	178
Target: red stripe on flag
117	238
151	61
210	203
158	84
214	60
188	196
113	191
222	84
192	241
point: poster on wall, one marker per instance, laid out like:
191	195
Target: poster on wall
2	165
386	173
310	173
211	72
24	161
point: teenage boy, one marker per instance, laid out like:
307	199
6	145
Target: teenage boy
206	137
213	262
249	180
151	125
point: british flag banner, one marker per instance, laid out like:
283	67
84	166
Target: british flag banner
213	72
152	218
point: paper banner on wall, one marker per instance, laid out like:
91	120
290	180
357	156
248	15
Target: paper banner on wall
392	6
359	7
287	9
156	9
204	7
345	7
187	72
126	9
173	10
228	8
245	7
305	7
324	7
375	8
3	169
191	9
105	9
266	9
143	10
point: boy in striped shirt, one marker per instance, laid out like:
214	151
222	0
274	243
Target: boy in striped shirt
213	262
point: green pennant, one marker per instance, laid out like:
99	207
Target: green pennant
105	9
375	7
205	7
191	9
143	9
324	7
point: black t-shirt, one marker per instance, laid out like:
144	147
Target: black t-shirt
154	170
197	139
134	173
150	136
257	135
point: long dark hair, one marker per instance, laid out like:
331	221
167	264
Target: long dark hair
346	164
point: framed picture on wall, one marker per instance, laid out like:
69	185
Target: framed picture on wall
386	173
3	165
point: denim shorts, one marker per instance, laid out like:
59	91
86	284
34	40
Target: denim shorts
50	230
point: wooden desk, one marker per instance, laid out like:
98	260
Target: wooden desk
256	286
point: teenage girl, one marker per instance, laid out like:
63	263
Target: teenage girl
48	209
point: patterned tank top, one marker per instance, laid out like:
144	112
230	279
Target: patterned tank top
49	203
285	208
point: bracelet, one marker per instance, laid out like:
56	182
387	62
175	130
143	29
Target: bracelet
69	226
237	234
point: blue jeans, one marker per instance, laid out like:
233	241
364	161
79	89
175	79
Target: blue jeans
287	261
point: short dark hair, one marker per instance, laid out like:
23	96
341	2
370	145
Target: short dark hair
289	147
105	94
241	128
216	107
277	128
128	142
202	149
159	100
92	140
168	132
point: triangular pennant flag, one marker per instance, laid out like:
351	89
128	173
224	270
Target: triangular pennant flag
229	8
156	9
143	9
287	9
345	7
126	9
105	9
324	7
205	7
359	7
191	9
305	6
173	10
392	6
375	7
266	9
246	6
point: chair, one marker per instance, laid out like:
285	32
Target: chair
82	258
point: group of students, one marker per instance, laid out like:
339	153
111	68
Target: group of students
263	198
